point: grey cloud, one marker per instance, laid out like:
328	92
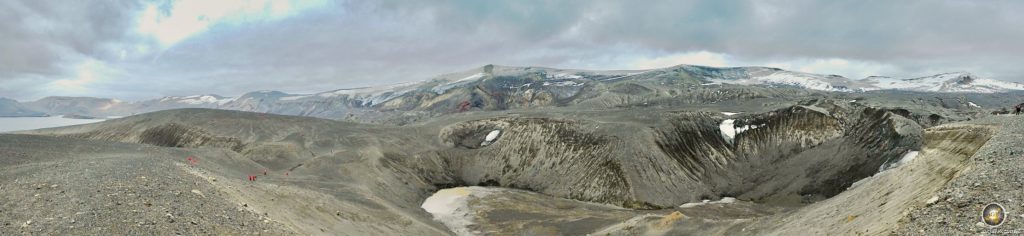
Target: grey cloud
38	35
363	43
41	41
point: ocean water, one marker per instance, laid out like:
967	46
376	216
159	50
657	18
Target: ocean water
8	124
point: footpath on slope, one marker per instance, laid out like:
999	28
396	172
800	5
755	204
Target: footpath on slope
995	174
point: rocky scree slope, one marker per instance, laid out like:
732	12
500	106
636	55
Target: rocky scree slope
379	180
681	158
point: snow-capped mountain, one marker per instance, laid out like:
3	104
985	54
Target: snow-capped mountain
959	82
948	82
210	99
779	77
494	87
87	106
195	101
335	103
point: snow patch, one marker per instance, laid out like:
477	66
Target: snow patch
444	87
971	104
802	80
492	135
564	76
724	200
489	139
907	158
451	207
197	100
372	95
729	129
746	127
563	83
948	82
471	77
729	113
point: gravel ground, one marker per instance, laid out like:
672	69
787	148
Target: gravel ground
64	186
994	176
79	187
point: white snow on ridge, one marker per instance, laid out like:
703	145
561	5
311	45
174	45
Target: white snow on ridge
948	82
443	87
729	130
369	91
470	78
629	74
724	200
564	76
972	104
563	83
798	80
802	80
893	83
372	95
367	96
198	100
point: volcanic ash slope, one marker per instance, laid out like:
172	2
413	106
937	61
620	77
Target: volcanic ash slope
331	177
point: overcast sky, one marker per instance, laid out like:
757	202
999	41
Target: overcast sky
141	50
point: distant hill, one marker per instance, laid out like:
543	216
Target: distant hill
494	87
88	106
9	107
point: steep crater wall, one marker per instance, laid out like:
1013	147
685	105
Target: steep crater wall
799	154
558	157
165	135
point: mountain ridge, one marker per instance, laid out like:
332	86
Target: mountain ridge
497	87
